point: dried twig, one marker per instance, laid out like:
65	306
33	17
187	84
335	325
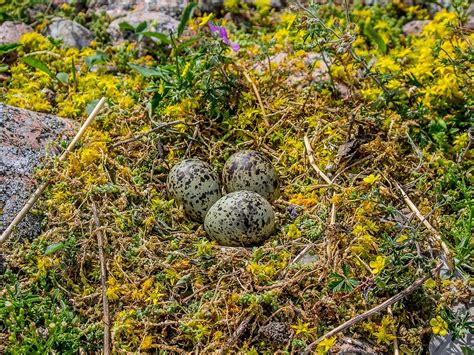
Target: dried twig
157	128
103	278
309	150
257	94
395	340
39	191
171	349
299	256
373	311
238	332
434	232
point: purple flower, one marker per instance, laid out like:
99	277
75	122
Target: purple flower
212	27
223	34
293	212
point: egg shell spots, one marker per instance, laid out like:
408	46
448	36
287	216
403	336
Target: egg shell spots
241	218
195	185
252	171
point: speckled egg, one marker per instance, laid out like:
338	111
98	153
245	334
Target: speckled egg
195	185
241	218
252	171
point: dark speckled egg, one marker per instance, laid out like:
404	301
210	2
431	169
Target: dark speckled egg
195	185
252	171
241	218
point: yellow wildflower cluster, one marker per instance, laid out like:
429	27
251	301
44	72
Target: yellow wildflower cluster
440	83
83	87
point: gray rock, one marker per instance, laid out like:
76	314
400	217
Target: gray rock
276	332
160	22
446	346
24	141
11	31
169	7
71	33
414	27
213	5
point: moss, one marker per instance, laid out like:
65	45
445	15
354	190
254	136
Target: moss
168	285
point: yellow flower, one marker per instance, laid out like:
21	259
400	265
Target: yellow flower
288	18
402	238
430	283
439	326
231	4
326	345
35	42
113	289
377	265
293	232
281	35
461	141
147	342
206	19
383	336
186	69
371	179
262	4
304	200
302	328
161	89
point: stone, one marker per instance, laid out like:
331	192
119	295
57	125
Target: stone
445	345
173	8
160	21
70	32
351	346
414	27
25	138
11	32
214	5
276	332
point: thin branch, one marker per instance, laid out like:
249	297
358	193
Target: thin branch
395	340
257	94
434	232
298	257
238	332
309	150
103	278
157	128
373	311
39	191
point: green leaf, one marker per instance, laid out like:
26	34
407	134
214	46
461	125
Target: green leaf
98	57
342	283
185	17
188	43
161	36
125	26
91	106
442	123
3	68
63	77
155	101
37	64
145	71
375	37
73	70
7	48
141	26
53	248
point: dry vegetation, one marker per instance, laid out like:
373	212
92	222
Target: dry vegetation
383	114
